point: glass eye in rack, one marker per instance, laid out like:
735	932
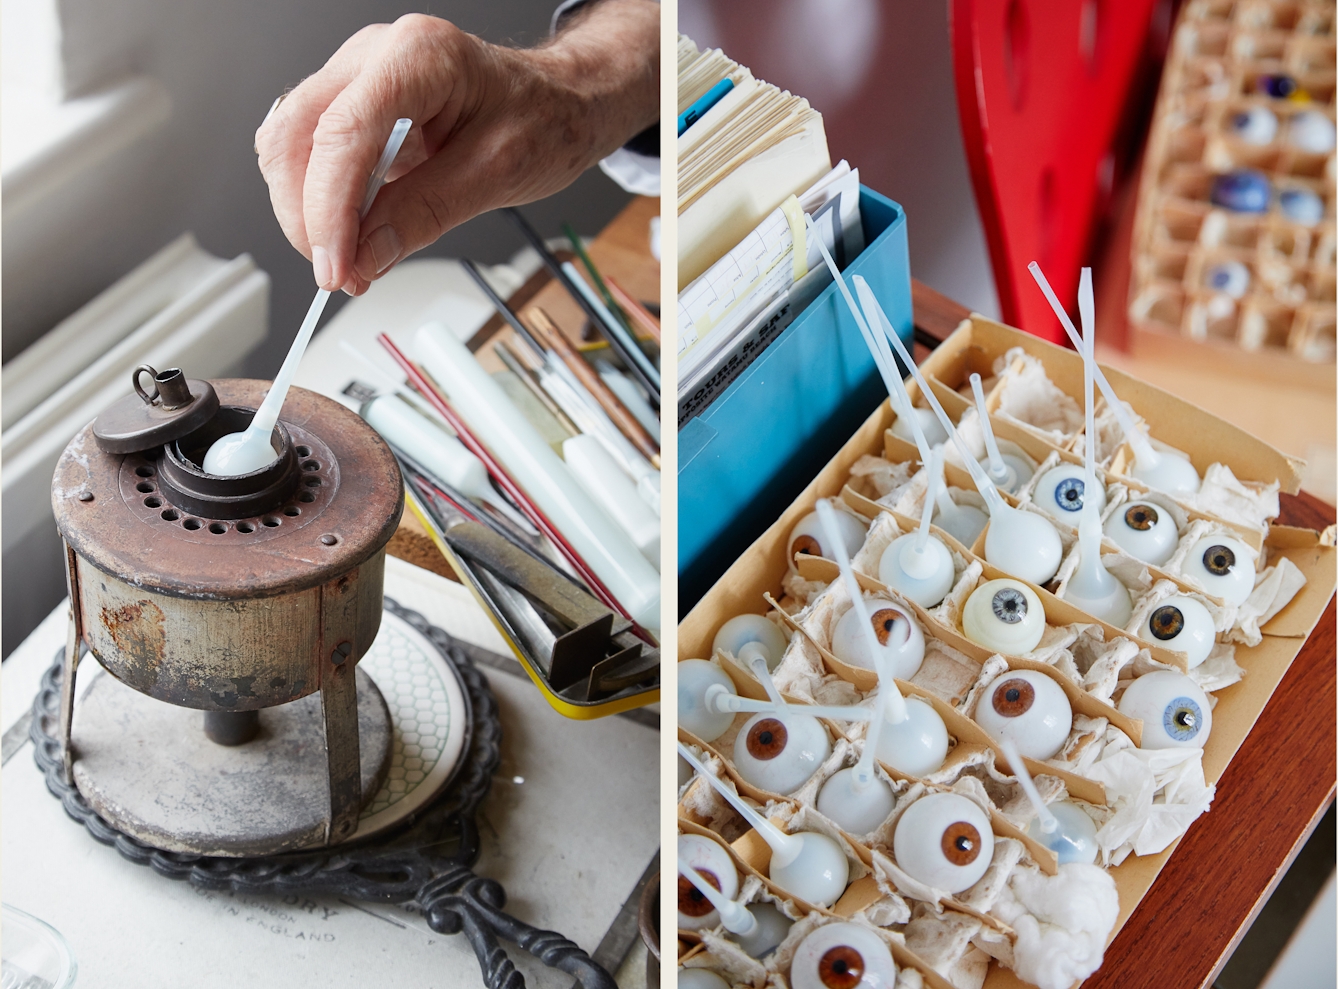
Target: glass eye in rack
1005	616
695	677
1061	490
1228	277
917	746
1223	567
1281	87
843	956
1301	206
1173	708
1243	191
1258	125
716	867
1145	531
745	636
1182	624
895	626
807	536
944	840
779	752
1028	707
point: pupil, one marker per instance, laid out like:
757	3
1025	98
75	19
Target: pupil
887	625
696	895
1185	719
963	844
840	967
1219	560
765	738
1013	694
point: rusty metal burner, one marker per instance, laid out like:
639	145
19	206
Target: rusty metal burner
229	595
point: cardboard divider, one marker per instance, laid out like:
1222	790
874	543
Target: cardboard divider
1315	558
817	568
1183	425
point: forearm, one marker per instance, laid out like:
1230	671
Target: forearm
607	57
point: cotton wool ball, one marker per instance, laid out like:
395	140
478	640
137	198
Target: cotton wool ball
1062	922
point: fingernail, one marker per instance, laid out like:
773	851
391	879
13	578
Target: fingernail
320	266
378	252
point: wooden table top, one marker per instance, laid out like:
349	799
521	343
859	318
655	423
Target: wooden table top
1268	801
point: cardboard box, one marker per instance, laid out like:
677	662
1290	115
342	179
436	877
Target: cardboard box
759	570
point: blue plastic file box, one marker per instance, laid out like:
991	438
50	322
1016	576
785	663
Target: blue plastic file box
743	460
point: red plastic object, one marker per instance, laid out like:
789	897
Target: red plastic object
1042	89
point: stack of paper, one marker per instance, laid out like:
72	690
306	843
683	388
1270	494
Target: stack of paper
740	159
732	311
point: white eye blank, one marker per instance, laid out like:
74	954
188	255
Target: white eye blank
705	856
933	575
1145	531
916	746
1222	566
1311	131
779	752
742	630
695	676
895	626
1173	708
944	840
807	536
853	810
700	978
1172	473
929	425
1028	707
843	956
1005	616
1061	491
1182	624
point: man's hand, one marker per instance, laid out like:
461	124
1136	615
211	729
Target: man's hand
492	127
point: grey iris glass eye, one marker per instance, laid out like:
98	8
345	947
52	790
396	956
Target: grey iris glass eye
1219	560
1009	605
1167	622
1068	494
1182	719
1140	517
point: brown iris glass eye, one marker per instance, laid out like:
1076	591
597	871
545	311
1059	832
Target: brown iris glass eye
806	545
841	967
766	739
1219	560
691	902
883	620
1140	517
960	843
1013	698
1167	622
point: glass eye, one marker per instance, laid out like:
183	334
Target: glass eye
917	746
700	978
944	840
808	534
1229	277
1061	490
843	956
1222	566
1173	708
1144	532
1311	131
1257	125
1031	709
1182	624
1005	616
717	868
779	752
695	677
746	635
894	626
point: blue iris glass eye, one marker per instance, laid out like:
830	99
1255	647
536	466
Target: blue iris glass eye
1182	719
1068	494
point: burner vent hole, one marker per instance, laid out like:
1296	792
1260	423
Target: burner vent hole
292	511
153	503
271	521
245	527
144	487
144	471
171	515
217	528
191	524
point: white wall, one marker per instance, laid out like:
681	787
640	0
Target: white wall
881	74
